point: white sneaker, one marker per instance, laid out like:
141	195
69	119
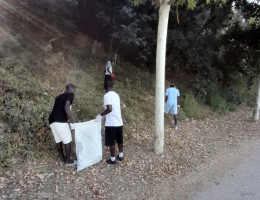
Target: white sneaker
176	127
71	164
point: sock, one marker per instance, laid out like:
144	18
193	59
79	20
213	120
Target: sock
121	155
113	158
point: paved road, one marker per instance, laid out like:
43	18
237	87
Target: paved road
240	183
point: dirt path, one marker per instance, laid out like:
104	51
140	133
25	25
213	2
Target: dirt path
195	148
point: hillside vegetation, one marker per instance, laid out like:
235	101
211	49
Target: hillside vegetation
29	88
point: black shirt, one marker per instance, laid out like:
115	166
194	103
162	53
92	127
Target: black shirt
58	113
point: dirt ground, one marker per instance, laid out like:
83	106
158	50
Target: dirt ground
191	155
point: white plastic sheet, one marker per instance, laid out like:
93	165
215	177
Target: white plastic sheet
88	143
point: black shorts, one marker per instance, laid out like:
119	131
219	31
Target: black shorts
112	134
108	76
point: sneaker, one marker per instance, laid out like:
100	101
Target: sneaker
176	127
109	161
71	163
119	158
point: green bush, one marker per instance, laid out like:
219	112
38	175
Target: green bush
232	107
232	96
191	107
206	82
218	103
24	115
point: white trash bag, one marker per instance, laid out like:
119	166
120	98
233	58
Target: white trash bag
88	143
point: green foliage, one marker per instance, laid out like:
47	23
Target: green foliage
24	113
216	46
218	103
206	83
191	4
190	106
126	29
232	95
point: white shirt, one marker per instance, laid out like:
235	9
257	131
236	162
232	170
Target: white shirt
172	94
110	69
113	118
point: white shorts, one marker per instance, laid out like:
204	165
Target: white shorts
173	108
61	132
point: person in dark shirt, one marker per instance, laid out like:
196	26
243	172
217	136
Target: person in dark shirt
58	120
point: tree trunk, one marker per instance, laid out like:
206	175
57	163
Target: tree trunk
257	105
160	76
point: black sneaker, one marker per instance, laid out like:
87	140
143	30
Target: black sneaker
109	161
119	158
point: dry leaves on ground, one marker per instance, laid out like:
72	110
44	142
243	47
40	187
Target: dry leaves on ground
196	142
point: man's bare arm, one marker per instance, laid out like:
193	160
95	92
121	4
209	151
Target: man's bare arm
107	111
67	110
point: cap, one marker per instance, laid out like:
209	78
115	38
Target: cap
108	64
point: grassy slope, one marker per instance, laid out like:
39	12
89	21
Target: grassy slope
30	85
37	62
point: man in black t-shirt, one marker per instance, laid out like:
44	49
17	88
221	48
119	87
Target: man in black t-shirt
58	120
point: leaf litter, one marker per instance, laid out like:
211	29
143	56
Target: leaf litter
196	142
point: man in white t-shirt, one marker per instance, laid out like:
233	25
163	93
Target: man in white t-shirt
114	123
172	94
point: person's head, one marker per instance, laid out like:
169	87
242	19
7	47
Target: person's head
70	88
172	85
108	84
108	64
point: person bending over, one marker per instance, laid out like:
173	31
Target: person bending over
58	120
114	122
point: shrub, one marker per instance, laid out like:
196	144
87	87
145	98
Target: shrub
232	107
205	83
234	95
191	107
218	103
24	113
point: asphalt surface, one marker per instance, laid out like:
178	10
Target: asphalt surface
242	182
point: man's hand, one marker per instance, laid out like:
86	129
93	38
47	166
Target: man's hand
98	118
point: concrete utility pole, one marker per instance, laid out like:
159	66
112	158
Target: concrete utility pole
160	75
257	105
